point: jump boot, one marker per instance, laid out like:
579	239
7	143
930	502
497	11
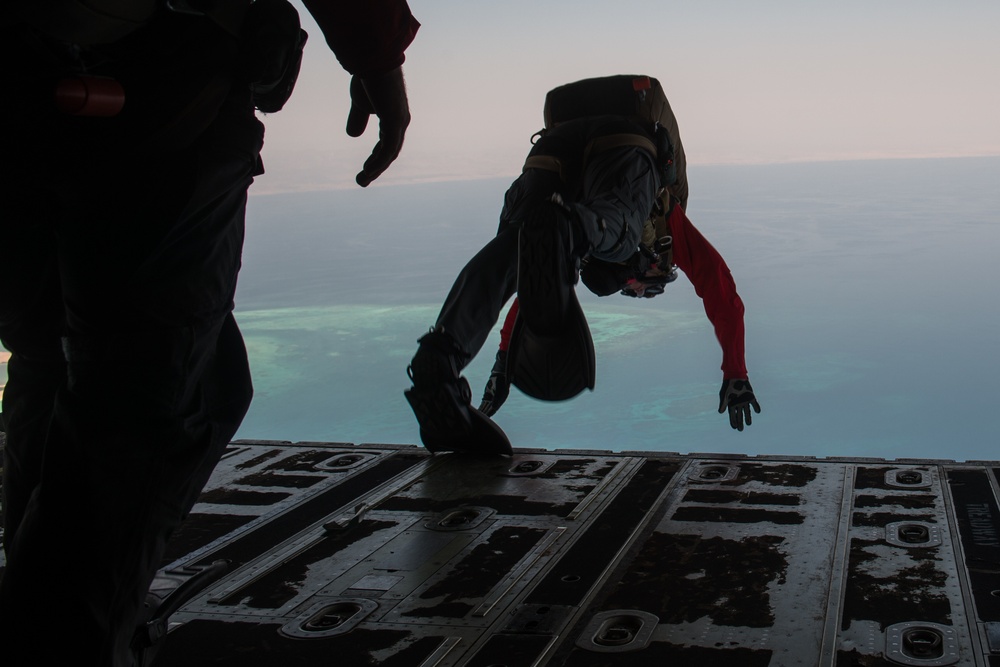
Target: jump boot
441	399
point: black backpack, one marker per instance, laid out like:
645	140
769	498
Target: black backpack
637	97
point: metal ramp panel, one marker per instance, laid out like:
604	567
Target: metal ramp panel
386	555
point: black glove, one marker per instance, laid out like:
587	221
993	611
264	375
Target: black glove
737	396
497	387
385	96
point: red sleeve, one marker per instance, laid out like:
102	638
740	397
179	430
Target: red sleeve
707	271
367	36
508	326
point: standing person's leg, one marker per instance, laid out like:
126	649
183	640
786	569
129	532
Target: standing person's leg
157	382
30	327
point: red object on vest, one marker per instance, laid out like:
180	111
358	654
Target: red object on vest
89	96
642	83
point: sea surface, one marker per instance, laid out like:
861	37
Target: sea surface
872	320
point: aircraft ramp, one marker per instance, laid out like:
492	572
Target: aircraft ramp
385	555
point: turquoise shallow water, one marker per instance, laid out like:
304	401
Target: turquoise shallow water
871	324
338	372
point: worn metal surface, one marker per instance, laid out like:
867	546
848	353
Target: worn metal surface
385	555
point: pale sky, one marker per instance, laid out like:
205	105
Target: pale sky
750	82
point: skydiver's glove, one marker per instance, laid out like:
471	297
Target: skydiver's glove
497	387
385	96
737	396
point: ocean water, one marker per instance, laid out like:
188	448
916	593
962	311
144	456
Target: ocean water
872	320
870	287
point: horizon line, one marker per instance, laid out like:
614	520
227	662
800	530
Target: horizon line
261	188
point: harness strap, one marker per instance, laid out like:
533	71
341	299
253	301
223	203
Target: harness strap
607	142
598	145
661	224
548	162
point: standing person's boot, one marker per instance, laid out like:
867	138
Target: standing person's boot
441	400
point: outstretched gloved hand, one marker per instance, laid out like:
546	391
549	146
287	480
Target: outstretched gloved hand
737	396
385	96
497	387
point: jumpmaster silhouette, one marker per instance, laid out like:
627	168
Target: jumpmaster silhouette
130	140
601	198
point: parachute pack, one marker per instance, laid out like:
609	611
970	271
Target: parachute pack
639	98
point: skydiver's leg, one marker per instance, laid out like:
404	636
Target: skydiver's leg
489	279
440	396
479	292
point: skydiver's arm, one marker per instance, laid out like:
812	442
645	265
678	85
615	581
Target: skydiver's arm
498	385
708	272
713	282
